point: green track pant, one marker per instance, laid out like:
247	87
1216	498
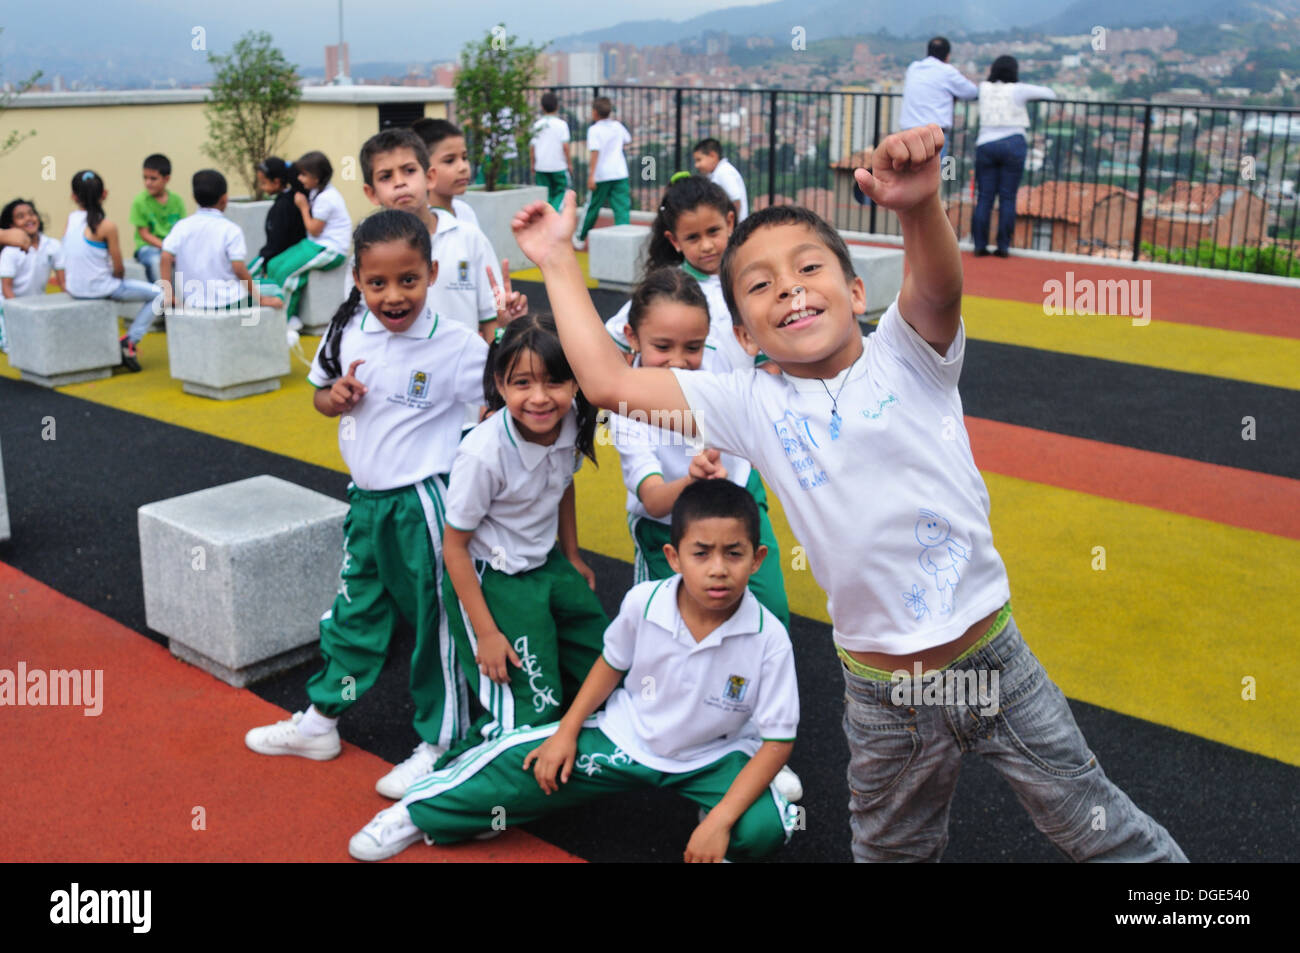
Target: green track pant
556	184
392	566
767	585
488	789
286	273
617	194
556	626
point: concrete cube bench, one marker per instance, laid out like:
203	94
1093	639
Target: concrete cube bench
227	354
881	269
324	293
4	503
616	255
251	219
237	576
57	339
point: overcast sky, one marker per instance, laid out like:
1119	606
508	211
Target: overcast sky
375	30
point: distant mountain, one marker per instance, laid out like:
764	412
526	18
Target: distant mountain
827	19
1082	15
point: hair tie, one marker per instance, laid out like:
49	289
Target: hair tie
87	176
500	333
678	176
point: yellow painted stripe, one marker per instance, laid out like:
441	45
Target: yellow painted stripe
535	274
1254	358
1184	611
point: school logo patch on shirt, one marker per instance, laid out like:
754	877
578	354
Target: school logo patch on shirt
462	270
737	685
419	385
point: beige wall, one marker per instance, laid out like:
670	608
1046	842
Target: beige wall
113	141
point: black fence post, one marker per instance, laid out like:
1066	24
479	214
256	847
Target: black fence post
677	152
771	151
1142	179
875	141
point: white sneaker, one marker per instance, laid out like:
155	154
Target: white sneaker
295	323
394	783
390	833
579	243
788	785
284	738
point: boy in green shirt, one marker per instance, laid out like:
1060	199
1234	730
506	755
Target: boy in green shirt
153	213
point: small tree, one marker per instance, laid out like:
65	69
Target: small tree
11	140
492	99
254	97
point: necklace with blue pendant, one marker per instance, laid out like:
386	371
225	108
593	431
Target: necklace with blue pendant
836	420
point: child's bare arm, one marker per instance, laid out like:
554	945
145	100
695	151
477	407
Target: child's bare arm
342	395
109	233
7	287
905	177
602	371
149	237
314	226
166	268
60	279
493	647
709	842
569	535
556	753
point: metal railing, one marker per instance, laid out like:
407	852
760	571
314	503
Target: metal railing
1209	186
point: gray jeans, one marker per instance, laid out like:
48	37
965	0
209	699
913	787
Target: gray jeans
904	759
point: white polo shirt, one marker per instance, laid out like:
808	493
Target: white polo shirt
684	704
463	253
205	244
729	179
609	136
328	206
408	424
730	355
506	490
550	133
644	451
465	212
30	268
893	512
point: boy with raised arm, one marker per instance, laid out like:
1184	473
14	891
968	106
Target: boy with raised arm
863	441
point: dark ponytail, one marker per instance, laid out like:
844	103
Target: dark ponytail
685	195
388	225
536	333
89	191
665	284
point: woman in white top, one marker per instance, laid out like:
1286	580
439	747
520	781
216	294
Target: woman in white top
1000	150
329	233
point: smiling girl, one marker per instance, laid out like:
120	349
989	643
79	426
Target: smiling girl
529	626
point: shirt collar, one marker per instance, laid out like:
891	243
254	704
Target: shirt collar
422	327
694	272
446	220
209	211
534	453
662	611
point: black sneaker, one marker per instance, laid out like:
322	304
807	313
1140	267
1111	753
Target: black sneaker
980	251
130	359
1001	252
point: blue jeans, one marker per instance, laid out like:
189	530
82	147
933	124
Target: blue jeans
998	167
904	760
149	256
133	289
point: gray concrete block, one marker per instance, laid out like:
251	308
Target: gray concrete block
325	291
4	503
615	255
496	210
227	354
251	219
237	576
881	270
57	339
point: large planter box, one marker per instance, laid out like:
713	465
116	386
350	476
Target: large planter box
251	219
495	211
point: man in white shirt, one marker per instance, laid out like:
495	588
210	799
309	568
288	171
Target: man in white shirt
709	161
928	90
